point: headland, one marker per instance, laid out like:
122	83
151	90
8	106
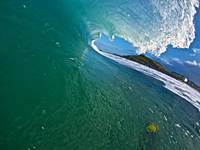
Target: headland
142	59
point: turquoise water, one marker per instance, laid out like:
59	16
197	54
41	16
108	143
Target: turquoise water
56	92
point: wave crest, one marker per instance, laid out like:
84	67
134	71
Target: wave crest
149	25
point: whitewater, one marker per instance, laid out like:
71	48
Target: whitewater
149	25
58	91
177	87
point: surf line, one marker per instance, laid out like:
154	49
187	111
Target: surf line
181	89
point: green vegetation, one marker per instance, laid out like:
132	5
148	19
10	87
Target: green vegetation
142	59
148	62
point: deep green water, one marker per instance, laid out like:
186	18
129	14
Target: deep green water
57	93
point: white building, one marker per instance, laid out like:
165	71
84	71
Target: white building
185	79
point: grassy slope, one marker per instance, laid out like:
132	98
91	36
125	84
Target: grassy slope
142	59
148	62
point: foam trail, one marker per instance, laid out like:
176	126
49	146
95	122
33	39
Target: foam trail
175	86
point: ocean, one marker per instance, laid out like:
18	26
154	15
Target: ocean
59	92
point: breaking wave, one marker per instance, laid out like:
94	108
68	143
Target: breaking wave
149	25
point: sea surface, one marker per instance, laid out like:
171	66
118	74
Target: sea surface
59	92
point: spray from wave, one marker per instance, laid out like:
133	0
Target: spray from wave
149	25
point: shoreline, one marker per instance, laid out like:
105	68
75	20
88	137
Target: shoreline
142	59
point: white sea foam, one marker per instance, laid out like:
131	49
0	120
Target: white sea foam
178	125
150	26
175	86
